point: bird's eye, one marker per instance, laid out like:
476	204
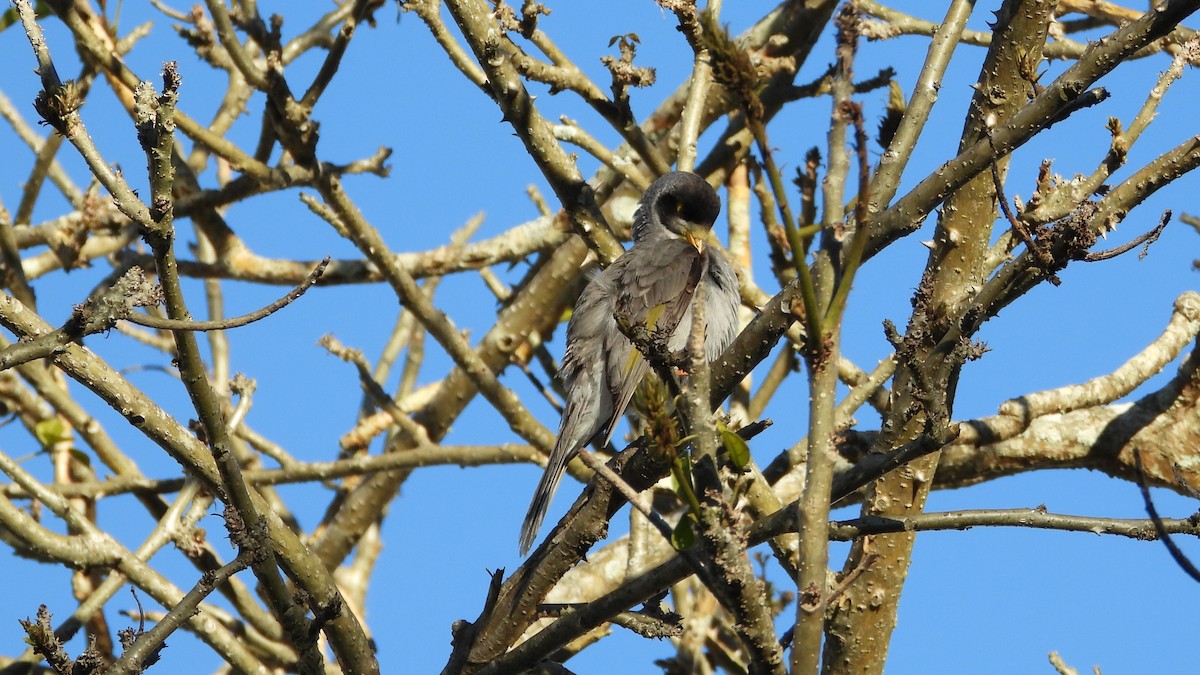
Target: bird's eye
678	208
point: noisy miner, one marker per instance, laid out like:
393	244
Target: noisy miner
652	285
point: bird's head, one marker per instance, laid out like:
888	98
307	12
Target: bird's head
679	205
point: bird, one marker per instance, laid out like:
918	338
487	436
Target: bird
651	284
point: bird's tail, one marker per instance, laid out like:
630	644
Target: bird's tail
544	493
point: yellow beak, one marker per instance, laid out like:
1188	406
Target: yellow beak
696	239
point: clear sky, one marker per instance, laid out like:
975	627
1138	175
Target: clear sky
983	601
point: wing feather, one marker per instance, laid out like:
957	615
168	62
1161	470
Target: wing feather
654	290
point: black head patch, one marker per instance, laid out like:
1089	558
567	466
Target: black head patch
674	200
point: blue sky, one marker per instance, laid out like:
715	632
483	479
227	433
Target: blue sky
984	601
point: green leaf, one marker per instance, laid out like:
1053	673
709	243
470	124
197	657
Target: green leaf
50	431
684	465
739	452
683	536
10	16
81	457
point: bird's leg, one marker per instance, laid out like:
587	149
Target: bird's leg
680	360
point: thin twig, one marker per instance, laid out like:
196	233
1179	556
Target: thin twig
1161	526
138	655
1146	238
237	321
1045	260
632	496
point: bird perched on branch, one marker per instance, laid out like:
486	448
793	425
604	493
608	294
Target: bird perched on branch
651	285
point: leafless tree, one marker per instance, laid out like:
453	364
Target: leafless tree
701	501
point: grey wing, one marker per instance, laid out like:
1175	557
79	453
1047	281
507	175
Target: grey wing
654	290
583	373
625	367
589	323
589	403
588	406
